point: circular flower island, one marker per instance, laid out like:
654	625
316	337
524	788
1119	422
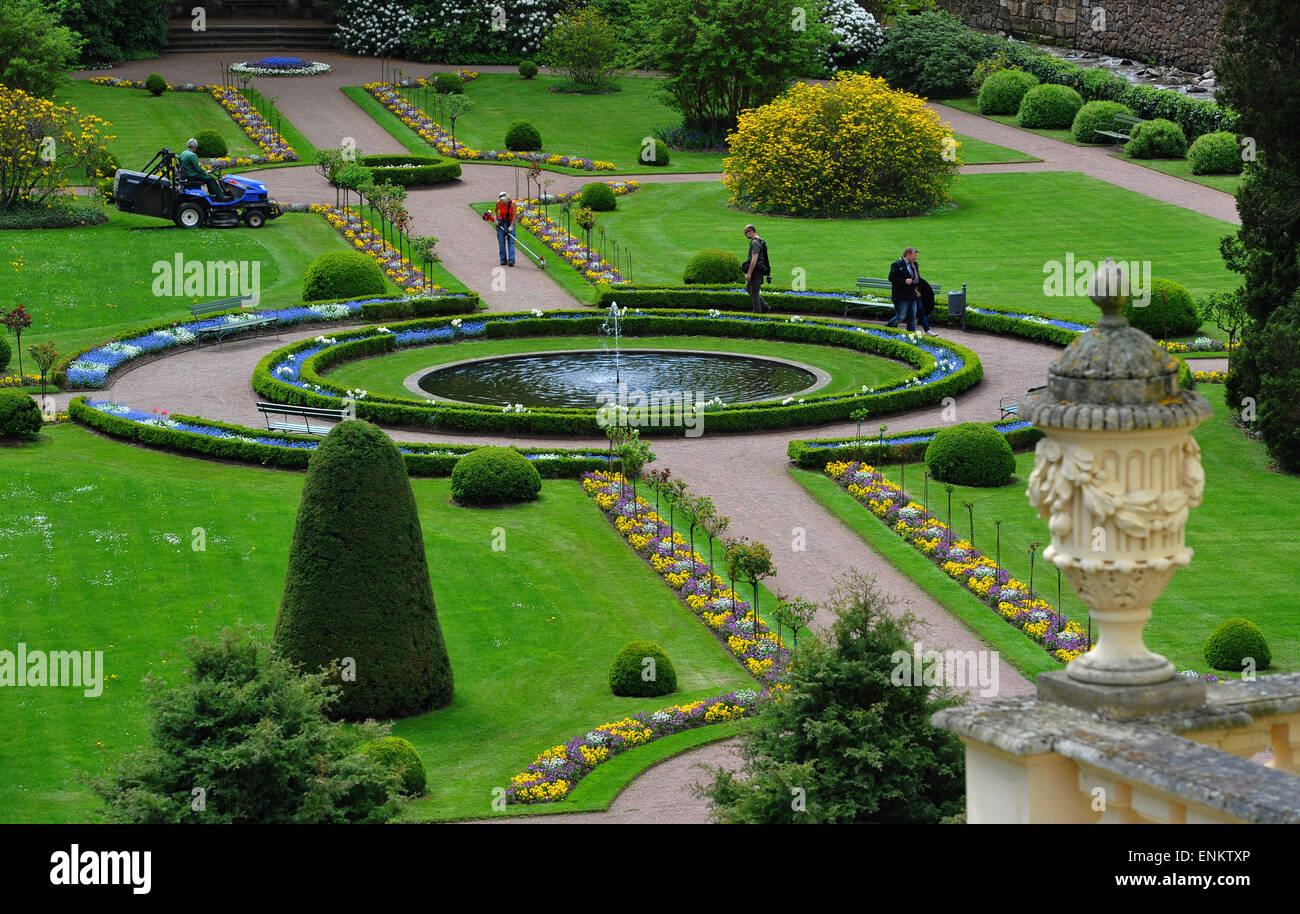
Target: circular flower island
281	66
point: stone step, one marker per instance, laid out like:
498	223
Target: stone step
249	36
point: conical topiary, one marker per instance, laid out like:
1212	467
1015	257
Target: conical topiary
358	586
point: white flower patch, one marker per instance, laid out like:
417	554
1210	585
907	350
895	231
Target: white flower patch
596	738
332	312
121	348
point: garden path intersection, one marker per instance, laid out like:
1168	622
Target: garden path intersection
745	474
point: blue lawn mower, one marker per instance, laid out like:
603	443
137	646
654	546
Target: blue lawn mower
163	191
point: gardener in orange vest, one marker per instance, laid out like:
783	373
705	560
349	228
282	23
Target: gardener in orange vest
507	216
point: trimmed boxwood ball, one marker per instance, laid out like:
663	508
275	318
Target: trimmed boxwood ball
494	476
357	584
527	69
598	196
156	85
399	756
660	153
449	84
712	266
1170	313
521	136
628	672
1094	116
1215	154
212	145
1049	107
20	417
1003	91
1157	139
342	274
971	454
1232	641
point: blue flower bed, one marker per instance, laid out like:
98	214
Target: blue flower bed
1005	428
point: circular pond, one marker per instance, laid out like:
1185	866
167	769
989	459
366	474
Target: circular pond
584	379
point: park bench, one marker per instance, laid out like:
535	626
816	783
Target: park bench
251	319
866	285
1009	407
326	419
1120	129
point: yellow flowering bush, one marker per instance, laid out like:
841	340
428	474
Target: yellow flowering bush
855	148
40	142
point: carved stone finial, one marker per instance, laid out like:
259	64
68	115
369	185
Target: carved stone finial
1108	288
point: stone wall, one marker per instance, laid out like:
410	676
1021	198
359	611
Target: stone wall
1182	33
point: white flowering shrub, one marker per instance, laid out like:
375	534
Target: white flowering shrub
373	28
458	31
856	34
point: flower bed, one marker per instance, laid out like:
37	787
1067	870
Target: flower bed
1200	344
433	134
586	261
274	147
280	66
1009	598
1210	377
364	238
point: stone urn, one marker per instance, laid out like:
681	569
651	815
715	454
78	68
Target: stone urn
1115	477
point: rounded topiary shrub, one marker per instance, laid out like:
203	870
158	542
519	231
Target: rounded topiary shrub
970	454
5	354
1157	139
448	84
20	417
642	670
527	69
521	136
494	476
399	756
1049	107
1233	641
1215	154
155	84
598	196
342	274
856	148
357	589
655	154
713	266
1003	90
212	145
1094	116
1170	312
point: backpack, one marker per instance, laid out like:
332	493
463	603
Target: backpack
764	266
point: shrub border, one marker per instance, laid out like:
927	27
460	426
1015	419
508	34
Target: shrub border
815	453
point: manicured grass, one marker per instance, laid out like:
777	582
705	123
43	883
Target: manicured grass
82	285
978	152
144	124
608	127
1237	550
1005	229
970	105
849	370
1181	168
106	532
386	119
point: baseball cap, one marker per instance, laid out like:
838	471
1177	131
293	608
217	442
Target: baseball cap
503	195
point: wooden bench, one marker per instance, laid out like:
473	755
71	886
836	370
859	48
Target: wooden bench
204	309
1120	129
1009	407
868	284
305	414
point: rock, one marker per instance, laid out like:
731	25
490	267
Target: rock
1208	74
1206	84
1197	89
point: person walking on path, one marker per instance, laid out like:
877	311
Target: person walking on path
507	216
905	281
756	268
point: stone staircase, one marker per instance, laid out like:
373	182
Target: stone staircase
266	35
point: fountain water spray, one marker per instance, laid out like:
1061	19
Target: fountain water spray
611	326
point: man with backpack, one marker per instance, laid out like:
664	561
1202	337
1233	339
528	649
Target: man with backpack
757	268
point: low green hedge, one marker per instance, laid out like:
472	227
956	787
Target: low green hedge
407	308
571	464
411	170
803	452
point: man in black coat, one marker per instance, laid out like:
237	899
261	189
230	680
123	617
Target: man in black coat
905	282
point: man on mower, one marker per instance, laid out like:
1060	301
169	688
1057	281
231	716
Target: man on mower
195	172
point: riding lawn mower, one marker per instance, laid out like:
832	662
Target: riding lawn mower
162	190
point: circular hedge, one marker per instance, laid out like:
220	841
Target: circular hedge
1094	116
598	196
854	149
410	170
522	136
494	476
342	274
20	417
631	676
712	266
1170	313
448	84
1049	107
527	69
971	454
1003	91
212	145
1233	641
1215	154
658	153
399	756
156	84
1157	139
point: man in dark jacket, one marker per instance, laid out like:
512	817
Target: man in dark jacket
905	282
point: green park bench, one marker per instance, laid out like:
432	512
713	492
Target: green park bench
326	419
1009	407
249	320
1120	129
863	300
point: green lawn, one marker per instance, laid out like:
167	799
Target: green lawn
1005	229
849	370
1181	168
978	152
144	124
1238	547
106	530
82	285
970	105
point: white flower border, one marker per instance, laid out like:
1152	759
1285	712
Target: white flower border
315	69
